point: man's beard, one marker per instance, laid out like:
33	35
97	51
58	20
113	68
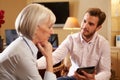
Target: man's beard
89	35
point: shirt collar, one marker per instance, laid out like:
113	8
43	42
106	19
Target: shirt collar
33	47
91	41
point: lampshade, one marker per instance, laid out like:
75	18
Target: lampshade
71	24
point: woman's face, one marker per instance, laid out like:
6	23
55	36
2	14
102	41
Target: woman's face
43	32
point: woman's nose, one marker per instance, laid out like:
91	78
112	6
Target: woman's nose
51	31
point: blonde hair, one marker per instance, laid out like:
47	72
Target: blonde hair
30	17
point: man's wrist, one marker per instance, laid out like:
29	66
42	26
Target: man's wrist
75	77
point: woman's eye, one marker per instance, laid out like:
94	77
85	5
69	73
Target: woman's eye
50	27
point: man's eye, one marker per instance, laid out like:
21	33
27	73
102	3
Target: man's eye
91	24
84	21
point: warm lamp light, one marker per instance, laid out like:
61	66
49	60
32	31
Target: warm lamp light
71	24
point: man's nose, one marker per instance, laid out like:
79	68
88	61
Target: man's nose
85	25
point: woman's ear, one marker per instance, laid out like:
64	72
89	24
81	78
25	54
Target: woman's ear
98	27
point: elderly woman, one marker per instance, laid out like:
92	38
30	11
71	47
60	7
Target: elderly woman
18	60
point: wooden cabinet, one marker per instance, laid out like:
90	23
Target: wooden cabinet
115	61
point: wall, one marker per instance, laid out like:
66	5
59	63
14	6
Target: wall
115	12
11	8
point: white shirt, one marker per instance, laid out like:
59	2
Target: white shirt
83	54
18	62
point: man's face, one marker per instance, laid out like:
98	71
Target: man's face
89	25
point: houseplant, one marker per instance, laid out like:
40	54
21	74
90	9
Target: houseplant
2	21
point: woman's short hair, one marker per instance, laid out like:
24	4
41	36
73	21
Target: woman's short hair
30	17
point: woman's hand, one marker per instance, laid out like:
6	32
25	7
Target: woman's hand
45	48
86	76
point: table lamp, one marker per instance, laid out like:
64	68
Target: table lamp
71	24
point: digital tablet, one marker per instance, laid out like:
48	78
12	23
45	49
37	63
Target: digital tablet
89	70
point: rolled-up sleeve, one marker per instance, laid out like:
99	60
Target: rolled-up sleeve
104	63
49	76
42	61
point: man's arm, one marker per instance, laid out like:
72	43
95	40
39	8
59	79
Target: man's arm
104	65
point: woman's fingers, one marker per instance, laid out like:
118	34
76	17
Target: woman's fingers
45	48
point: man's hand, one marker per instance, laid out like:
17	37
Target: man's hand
86	76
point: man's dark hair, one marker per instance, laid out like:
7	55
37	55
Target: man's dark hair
97	13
